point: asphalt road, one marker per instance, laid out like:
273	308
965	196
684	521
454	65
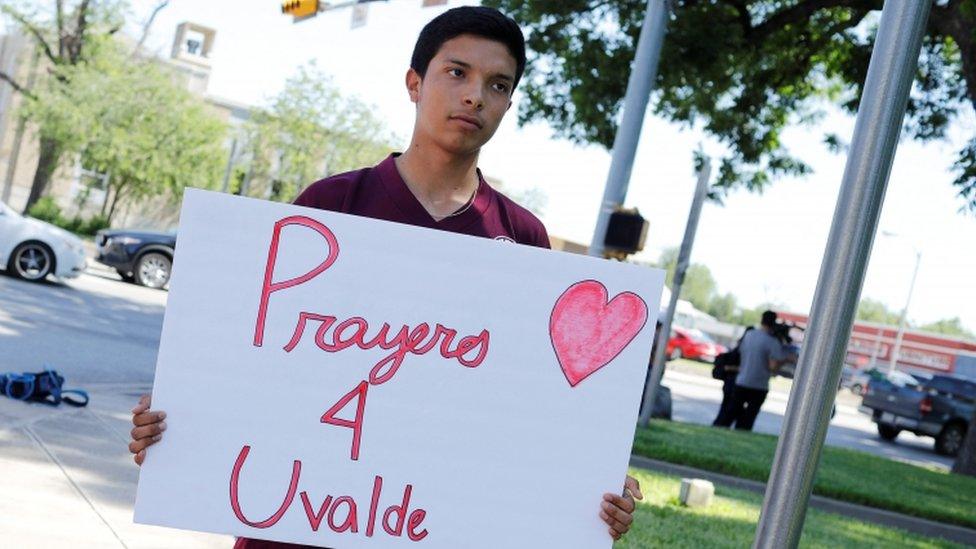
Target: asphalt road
99	331
696	399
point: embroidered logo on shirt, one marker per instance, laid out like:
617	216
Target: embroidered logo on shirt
503	238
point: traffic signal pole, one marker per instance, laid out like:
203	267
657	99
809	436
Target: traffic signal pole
879	121
639	88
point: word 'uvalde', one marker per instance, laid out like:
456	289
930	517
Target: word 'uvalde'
341	514
354	331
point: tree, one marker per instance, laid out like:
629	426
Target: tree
310	131
699	286
948	326
130	119
723	307
873	310
771	65
63	37
965	463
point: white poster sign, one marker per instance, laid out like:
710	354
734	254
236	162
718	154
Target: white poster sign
346	382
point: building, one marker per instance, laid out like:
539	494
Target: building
872	344
79	191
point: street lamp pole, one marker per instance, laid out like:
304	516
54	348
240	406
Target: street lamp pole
904	316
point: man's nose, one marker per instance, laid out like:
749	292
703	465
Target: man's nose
474	97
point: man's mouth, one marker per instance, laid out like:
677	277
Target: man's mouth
468	119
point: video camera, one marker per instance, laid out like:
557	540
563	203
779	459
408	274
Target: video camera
781	331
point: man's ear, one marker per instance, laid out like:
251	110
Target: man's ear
509	106
413	81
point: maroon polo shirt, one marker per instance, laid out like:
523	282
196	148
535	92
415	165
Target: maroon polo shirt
379	192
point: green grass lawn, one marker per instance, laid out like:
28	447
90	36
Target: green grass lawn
730	521
846	475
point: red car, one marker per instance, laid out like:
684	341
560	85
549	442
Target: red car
693	344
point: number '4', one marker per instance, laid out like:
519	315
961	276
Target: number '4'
357	424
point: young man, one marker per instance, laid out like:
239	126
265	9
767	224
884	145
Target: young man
465	65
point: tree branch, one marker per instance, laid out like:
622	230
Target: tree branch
59	16
8	79
78	41
31	28
145	28
804	10
948	20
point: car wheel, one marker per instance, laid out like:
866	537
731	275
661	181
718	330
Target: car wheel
153	270
949	441
888	432
676	354
128	277
31	261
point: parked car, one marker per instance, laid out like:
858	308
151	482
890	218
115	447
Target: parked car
939	407
33	249
693	344
143	257
859	379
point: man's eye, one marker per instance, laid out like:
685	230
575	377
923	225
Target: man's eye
455	72
501	88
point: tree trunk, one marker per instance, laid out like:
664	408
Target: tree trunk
966	460
47	162
115	202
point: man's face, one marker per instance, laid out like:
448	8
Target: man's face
465	93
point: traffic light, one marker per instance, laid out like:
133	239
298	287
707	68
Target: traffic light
626	232
300	8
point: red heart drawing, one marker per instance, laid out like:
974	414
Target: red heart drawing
588	332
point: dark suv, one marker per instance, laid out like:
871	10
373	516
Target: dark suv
939	407
142	257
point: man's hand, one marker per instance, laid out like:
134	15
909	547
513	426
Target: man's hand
618	511
148	428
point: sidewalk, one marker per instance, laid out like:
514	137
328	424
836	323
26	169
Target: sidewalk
69	480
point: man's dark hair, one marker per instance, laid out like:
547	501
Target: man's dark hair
475	20
768	319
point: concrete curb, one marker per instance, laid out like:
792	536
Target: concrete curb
925	527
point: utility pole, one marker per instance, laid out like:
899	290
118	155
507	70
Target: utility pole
684	258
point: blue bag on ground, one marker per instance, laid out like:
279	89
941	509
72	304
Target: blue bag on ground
43	387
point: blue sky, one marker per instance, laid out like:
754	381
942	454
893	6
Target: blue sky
765	247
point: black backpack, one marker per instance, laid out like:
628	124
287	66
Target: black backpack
728	358
40	387
724	360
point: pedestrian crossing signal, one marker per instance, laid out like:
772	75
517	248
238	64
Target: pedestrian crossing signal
300	8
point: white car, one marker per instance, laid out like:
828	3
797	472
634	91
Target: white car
32	249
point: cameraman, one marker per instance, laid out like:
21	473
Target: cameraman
762	354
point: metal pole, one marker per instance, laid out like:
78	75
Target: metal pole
635	104
877	348
879	118
684	256
904	317
230	165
